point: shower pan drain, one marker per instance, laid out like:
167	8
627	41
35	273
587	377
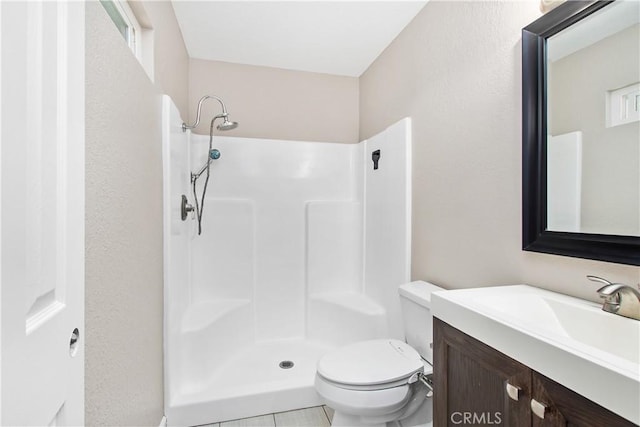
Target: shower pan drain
286	364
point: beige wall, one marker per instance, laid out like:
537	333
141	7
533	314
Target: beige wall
171	60
124	294
276	103
456	71
610	156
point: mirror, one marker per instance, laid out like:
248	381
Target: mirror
581	131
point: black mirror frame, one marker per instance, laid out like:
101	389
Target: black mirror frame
535	237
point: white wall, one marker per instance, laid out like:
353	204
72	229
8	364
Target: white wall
387	217
456	71
260	209
283	222
176	240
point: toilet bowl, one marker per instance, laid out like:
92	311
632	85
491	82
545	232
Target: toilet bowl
382	382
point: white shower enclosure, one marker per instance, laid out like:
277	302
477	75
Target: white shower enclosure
303	247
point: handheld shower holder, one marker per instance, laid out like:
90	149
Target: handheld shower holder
213	155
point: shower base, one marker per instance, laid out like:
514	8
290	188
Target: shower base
252	383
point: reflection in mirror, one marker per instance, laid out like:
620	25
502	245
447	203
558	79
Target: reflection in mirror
593	123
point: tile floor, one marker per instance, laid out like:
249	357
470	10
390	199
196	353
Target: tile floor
318	416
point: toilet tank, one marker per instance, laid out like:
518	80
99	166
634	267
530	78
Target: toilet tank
415	300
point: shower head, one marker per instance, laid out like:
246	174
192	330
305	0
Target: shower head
227	125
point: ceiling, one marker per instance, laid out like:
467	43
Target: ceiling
333	37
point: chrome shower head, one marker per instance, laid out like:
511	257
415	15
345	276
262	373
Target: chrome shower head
227	124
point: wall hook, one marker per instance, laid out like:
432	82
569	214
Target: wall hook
375	156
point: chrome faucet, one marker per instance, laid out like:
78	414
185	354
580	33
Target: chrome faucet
618	298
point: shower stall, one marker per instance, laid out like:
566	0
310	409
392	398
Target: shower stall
303	247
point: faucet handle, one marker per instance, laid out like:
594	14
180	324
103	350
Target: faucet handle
599	280
619	298
609	292
612	289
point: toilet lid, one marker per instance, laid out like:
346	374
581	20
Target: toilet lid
371	362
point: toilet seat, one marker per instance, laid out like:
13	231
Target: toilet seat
371	365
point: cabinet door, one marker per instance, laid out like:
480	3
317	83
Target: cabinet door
470	381
564	407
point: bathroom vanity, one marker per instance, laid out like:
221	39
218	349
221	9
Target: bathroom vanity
473	378
523	356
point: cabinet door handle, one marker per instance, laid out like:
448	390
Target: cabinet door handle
513	392
538	408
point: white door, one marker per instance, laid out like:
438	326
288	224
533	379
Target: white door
42	213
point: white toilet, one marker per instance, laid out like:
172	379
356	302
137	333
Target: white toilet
372	383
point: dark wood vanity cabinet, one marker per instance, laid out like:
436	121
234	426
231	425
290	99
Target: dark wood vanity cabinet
471	381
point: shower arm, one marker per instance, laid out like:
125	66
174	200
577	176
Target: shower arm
223	115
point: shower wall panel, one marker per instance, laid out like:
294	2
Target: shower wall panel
334	247
387	192
176	242
260	207
226	258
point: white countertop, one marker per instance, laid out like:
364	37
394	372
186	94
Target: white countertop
569	340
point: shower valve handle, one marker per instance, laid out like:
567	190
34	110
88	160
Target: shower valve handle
185	208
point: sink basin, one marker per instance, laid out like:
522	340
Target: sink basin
614	335
570	318
570	340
